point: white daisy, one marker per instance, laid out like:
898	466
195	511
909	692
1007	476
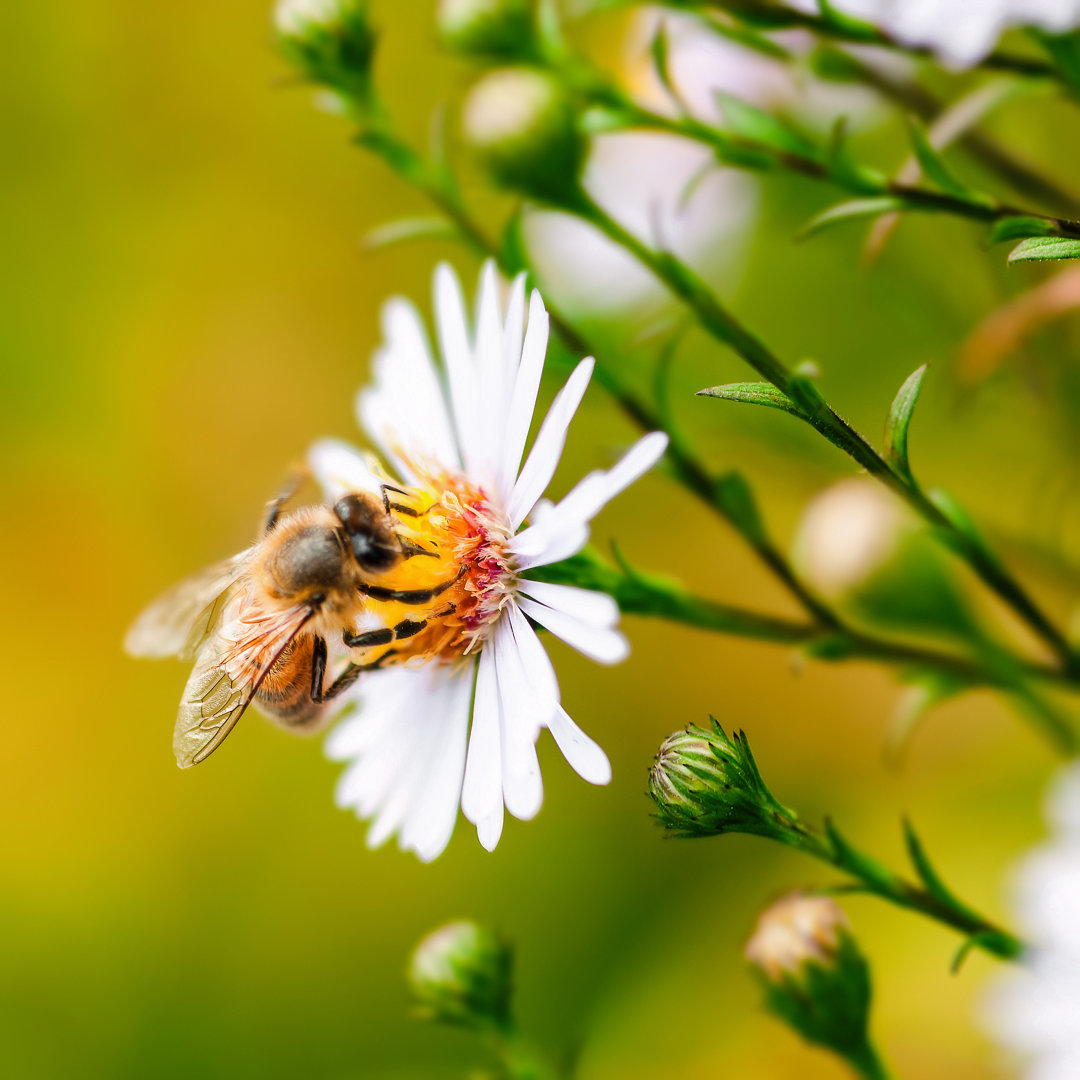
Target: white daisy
1035	1012
457	719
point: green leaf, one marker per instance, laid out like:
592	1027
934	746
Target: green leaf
927	688
851	210
754	393
755	124
1045	248
736	498
961	524
896	427
658	50
410	228
923	867
514	254
1018	227
852	29
743	35
845	170
933	167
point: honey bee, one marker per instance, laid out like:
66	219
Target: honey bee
257	624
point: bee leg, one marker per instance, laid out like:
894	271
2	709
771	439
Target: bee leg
408	596
274	507
409	549
408	511
318	668
351	674
407	628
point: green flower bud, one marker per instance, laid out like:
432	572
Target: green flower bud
331	42
488	29
814	975
521	124
460	974
858	545
704	783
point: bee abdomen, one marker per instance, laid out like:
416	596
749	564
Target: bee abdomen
285	693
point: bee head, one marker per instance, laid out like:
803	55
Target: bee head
373	542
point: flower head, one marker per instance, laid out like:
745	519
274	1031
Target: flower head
814	975
454	715
460	974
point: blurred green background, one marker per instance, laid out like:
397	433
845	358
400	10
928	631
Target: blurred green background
185	306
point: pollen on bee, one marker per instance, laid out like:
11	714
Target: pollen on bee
464	541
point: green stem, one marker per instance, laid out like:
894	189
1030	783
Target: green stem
519	1058
761	12
733	149
723	326
878	880
656	597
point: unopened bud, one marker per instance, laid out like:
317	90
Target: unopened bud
489	29
859	545
460	974
330	41
705	783
521	124
814	975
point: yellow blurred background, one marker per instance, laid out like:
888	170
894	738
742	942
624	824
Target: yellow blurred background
186	305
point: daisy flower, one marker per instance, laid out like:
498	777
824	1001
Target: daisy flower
456	718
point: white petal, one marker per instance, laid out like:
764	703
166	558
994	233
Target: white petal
597	489
538	546
582	754
492	378
489	827
430	822
546	451
457	354
604	645
482	788
523	397
339	469
589	606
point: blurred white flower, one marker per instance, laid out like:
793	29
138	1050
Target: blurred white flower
295	17
847	533
959	32
476	673
1035	1011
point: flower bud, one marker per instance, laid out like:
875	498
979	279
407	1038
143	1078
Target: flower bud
704	783
330	41
520	122
815	978
460	974
859	545
488	29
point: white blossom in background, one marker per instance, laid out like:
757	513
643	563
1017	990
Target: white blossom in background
457	719
641	178
959	32
294	17
1034	1011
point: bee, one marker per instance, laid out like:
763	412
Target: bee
257	624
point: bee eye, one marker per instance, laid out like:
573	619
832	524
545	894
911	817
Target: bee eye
371	555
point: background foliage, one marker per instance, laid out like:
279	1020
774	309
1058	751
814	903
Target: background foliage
185	307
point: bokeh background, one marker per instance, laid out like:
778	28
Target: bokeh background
185	305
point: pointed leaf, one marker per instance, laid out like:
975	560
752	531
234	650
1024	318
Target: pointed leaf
1045	248
934	169
851	210
410	228
754	393
660	53
846	171
896	427
927	874
1018	227
759	126
736	498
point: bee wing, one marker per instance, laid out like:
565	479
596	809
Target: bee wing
213	699
181	620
